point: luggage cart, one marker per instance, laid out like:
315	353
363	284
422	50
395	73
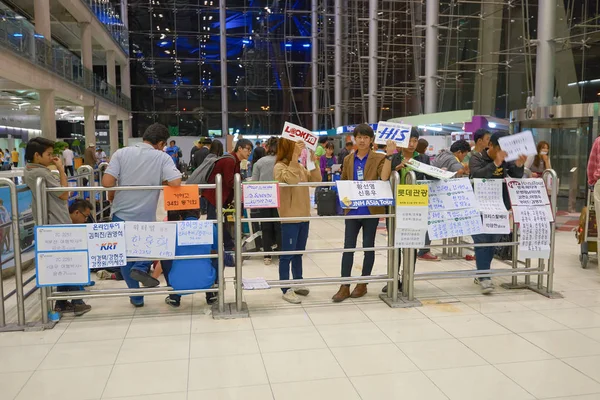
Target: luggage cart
587	233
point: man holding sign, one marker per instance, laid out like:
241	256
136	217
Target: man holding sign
365	165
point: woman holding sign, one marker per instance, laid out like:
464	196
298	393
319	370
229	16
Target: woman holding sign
294	202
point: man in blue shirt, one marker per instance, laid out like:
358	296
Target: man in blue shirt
173	151
365	165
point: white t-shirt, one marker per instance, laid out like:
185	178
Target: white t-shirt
68	157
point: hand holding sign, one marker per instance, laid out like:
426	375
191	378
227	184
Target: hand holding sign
297	133
399	133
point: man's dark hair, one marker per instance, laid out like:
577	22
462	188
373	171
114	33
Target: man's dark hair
479	134
258	143
323	139
80	205
181	215
494	139
414	132
242	143
156	133
206	141
349	144
364	130
173	142
37	145
460	145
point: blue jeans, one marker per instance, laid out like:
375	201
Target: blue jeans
293	237
485	255
126	270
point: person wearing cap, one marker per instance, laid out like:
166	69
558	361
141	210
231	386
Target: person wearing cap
89	156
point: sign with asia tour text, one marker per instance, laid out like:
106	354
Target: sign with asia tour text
519	144
354	194
399	133
411	216
297	133
260	195
106	245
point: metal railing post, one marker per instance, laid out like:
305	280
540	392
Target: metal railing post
408	282
515	253
237	190
393	254
40	192
2	311
86	169
220	248
553	204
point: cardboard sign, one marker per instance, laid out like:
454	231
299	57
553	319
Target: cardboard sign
184	197
412	195
430	169
150	239
399	133
354	194
260	195
106	245
297	133
527	192
519	144
194	232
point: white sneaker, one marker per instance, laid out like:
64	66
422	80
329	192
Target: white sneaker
291	297
486	286
302	291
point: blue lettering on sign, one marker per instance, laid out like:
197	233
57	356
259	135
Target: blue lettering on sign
394	134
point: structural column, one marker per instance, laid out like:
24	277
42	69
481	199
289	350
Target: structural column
113	133
373	43
86	54
41	9
431	56
314	51
223	59
89	125
126	90
544	65
111	72
47	114
338	89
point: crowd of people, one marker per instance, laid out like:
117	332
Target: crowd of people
153	163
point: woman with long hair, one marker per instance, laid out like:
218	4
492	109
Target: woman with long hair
541	161
262	171
294	203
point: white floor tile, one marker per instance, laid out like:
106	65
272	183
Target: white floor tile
83	384
206	324
223	344
408	385
583	397
87	331
147	378
82	354
574	318
593	333
357	334
564	343
280	318
49	336
149	349
260	392
338	314
304	365
444	353
412	330
526	321
288	339
492	307
382	312
325	389
162	396
22	358
505	349
470	326
166	325
550	378
372	360
587	365
11	384
542	303
477	383
227	372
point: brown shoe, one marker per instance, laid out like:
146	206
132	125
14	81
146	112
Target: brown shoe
359	291
342	294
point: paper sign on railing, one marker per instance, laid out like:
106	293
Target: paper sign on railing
527	192
430	169
488	193
106	245
260	195
399	133
195	232
534	241
150	239
411	215
184	197
354	194
517	145
297	133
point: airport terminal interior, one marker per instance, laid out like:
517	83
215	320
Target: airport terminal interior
113	83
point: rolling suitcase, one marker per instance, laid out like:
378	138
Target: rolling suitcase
326	202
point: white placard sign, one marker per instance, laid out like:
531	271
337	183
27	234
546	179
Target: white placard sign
447	228
297	133
61	238
414	217
527	192
62	268
260	195
399	133
106	245
534	241
519	144
408	238
488	193
451	195
150	239
354	194
194	232
532	214
496	222
430	169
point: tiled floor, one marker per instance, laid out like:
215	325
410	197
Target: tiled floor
459	345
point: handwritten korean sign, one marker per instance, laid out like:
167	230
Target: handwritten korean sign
150	239
451	195
106	245
355	194
447	228
185	197
408	238
534	241
496	222
61	238
399	133
297	133
532	214
488	193
517	145
194	232
430	170
260	195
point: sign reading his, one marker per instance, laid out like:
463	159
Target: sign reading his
354	194
517	145
297	133
399	133
106	245
430	170
184	197
260	195
527	192
150	239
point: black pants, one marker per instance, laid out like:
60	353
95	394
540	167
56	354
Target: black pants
211	213
271	231
69	170
353	227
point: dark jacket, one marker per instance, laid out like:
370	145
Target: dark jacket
198	157
482	166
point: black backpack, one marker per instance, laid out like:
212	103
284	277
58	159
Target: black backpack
202	173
